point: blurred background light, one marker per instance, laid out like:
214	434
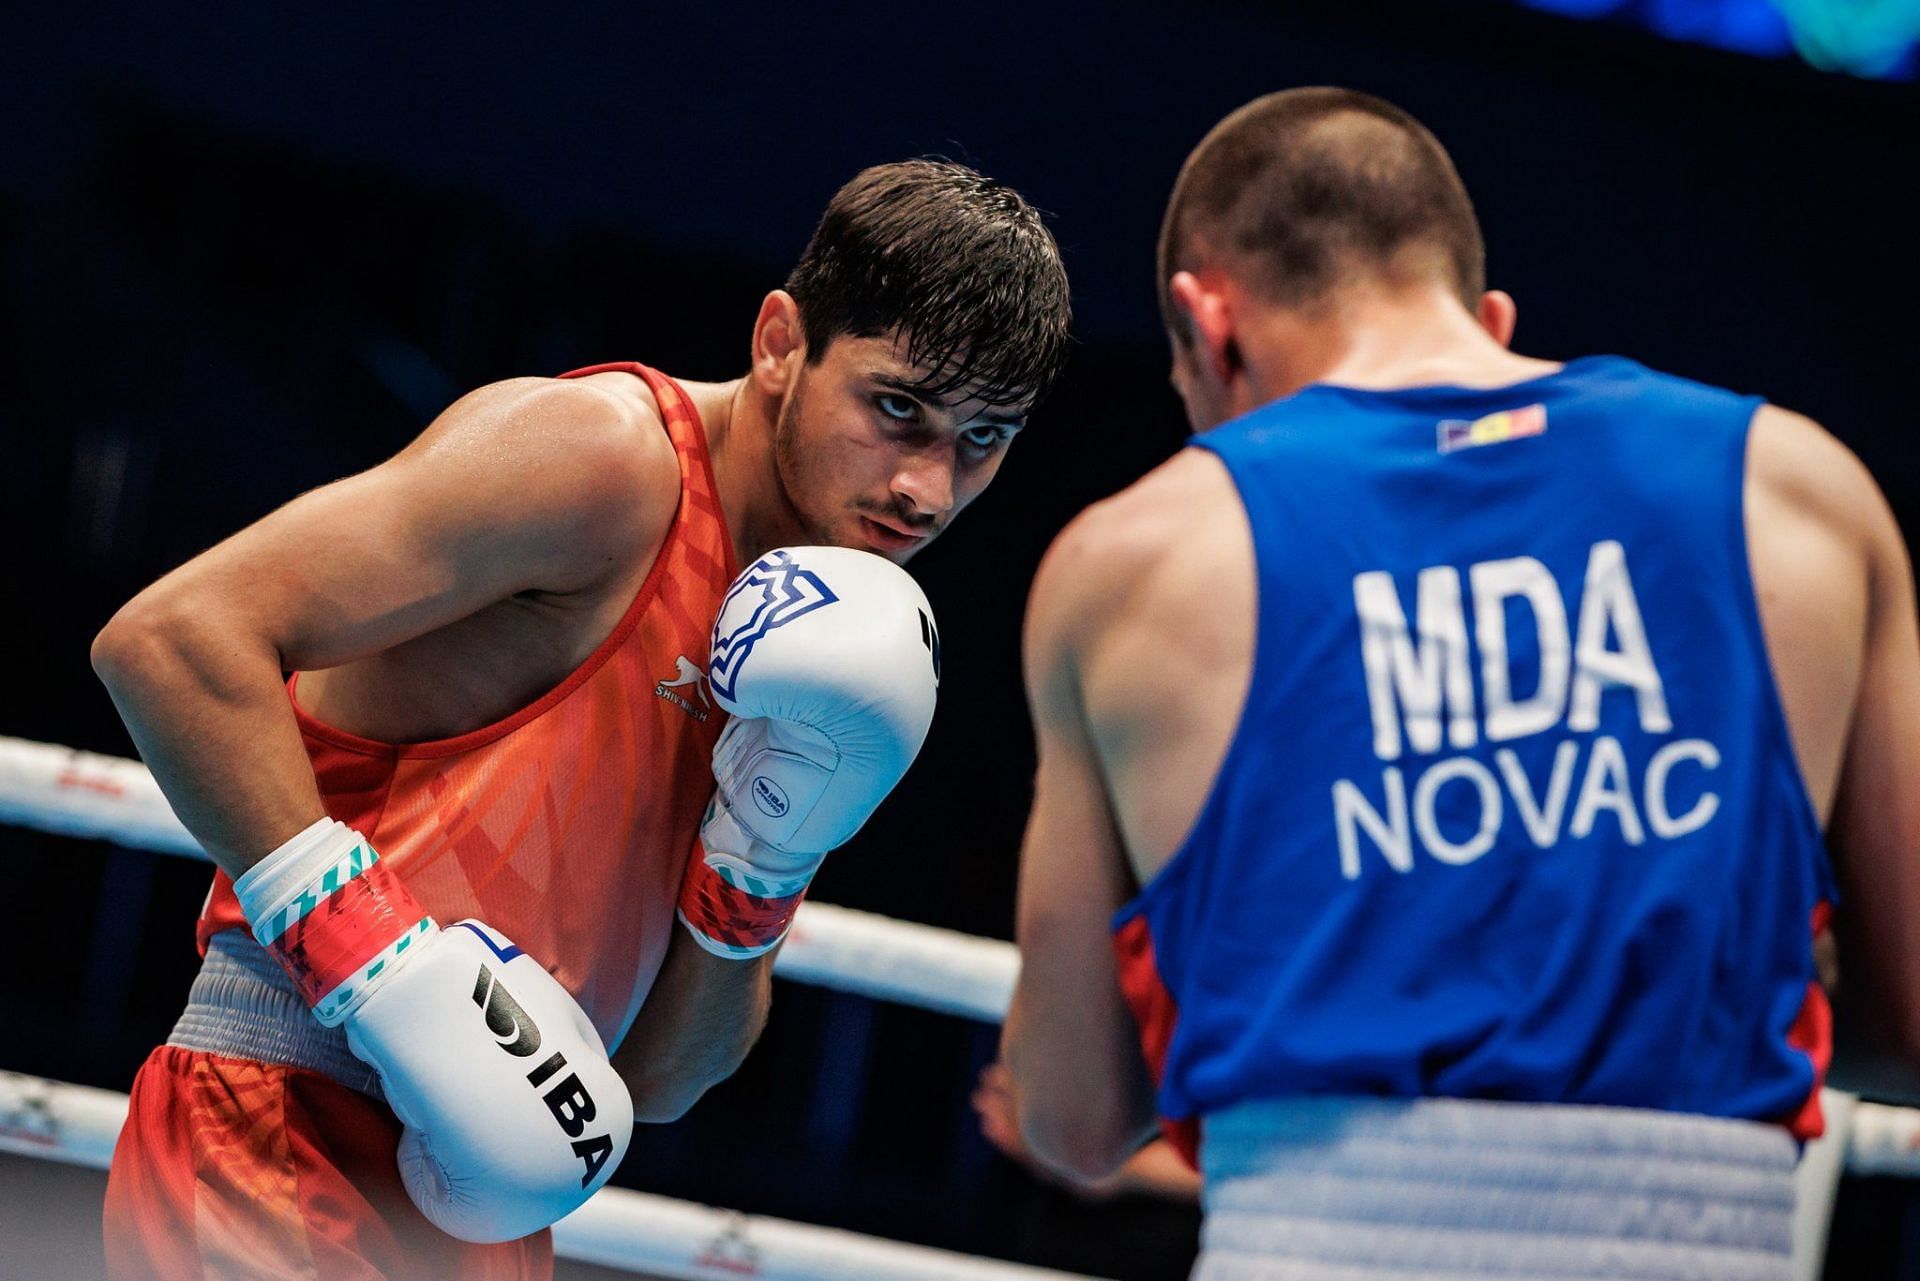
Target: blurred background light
1871	38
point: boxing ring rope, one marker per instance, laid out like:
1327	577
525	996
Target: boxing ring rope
89	796
617	1228
105	798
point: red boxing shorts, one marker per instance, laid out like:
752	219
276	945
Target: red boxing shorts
230	1169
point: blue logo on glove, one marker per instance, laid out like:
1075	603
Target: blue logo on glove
768	795
780	591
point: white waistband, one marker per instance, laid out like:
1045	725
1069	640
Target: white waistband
243	1005
1384	1189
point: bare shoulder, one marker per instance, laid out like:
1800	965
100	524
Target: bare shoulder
1801	473
573	459
582	429
1801	470
1114	546
1152	547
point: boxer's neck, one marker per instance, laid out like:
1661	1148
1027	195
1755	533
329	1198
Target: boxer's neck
1378	340
740	437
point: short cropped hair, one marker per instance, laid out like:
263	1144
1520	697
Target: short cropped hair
1302	191
958	265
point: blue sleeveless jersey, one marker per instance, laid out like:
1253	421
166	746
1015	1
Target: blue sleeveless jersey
1511	811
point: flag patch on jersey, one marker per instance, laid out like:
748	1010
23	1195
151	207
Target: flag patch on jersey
1508	424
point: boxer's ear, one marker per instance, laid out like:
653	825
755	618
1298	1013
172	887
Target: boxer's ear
1216	349
1498	314
779	343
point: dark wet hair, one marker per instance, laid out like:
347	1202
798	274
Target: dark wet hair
960	266
1300	191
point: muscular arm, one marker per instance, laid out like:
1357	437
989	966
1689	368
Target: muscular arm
1836	597
1155	1170
1875	830
524	485
702	1016
1085	1102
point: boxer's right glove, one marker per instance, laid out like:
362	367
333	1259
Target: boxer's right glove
828	661
513	1114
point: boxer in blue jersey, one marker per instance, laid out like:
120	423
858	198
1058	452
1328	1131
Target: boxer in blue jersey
1447	762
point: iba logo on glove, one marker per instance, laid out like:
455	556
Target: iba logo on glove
569	1101
769	796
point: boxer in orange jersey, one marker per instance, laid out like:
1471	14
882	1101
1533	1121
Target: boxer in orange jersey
497	643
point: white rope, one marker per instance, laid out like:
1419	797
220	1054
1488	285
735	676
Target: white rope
616	1228
58	789
663	1237
1884	1140
74	1124
878	956
82	794
105	798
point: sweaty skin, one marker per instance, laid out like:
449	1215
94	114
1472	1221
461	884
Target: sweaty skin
1139	651
462	579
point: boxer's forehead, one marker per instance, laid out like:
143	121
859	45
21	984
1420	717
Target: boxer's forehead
888	363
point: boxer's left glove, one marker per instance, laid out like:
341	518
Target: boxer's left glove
828	661
513	1114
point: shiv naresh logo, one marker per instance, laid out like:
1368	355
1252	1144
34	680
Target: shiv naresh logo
691	679
781	590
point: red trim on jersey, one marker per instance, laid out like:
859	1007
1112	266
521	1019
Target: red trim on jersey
659	384
1156	1014
1812	1035
356	785
662	387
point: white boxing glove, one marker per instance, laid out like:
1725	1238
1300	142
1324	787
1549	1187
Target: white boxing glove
828	661
513	1116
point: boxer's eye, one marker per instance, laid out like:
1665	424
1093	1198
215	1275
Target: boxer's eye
984	440
904	409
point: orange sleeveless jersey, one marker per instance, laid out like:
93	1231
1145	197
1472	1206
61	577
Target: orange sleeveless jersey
567	825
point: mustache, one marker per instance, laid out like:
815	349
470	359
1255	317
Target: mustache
905	517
